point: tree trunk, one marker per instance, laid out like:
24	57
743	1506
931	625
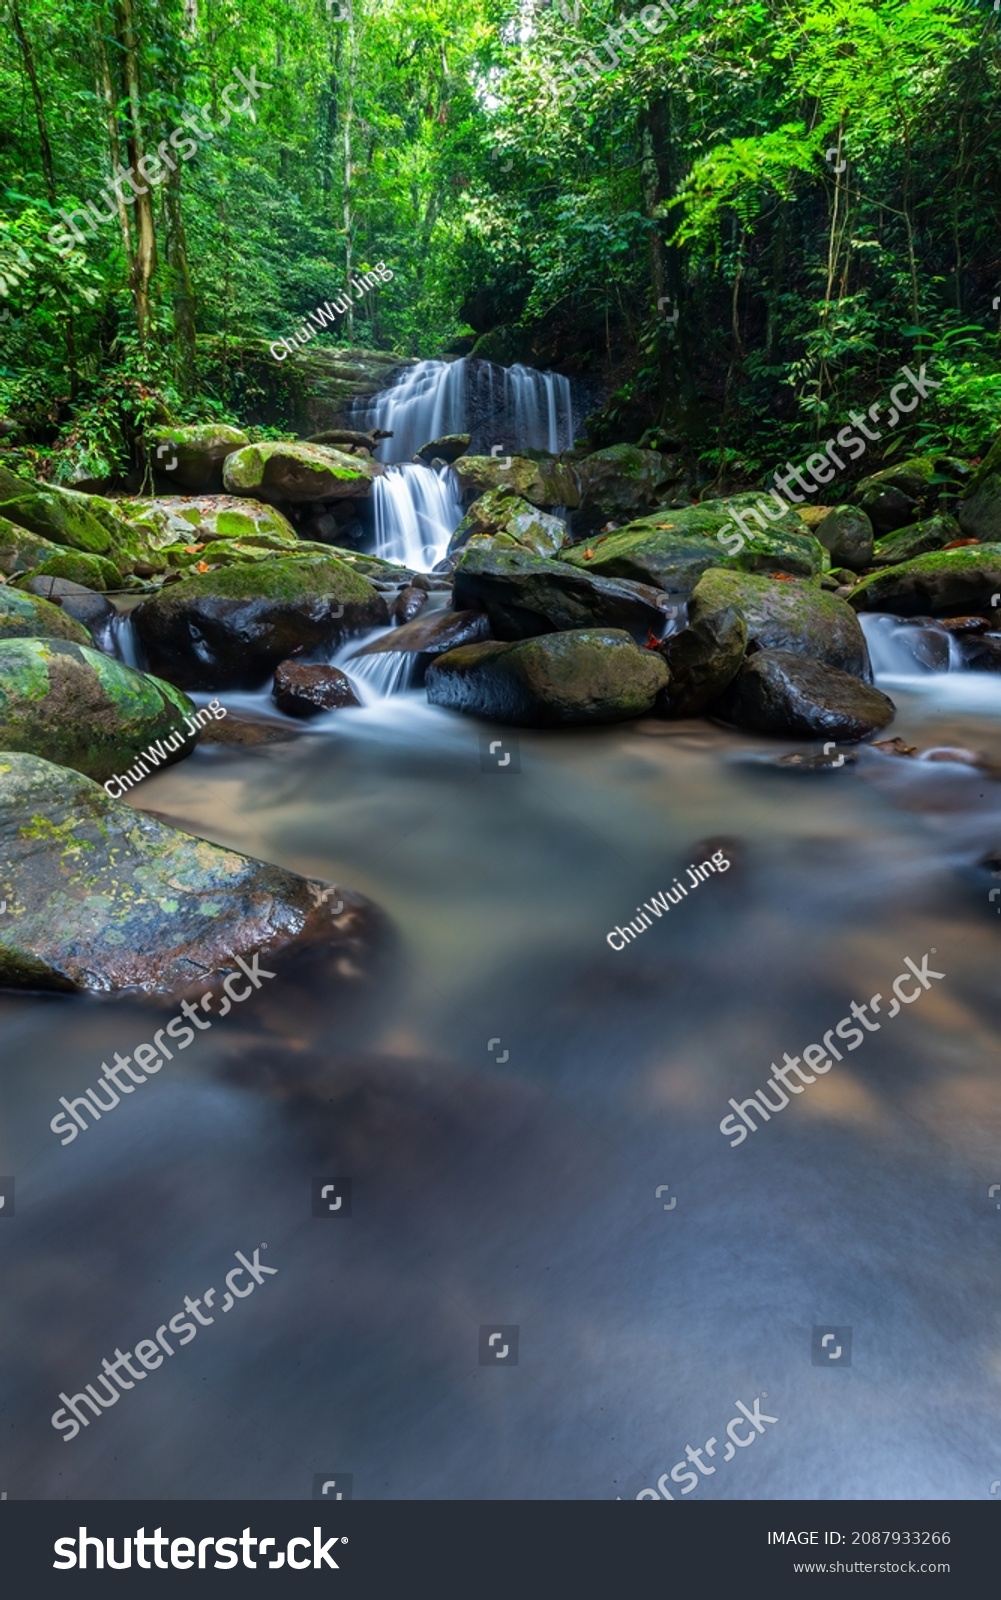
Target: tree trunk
181	286
144	261
348	69
28	57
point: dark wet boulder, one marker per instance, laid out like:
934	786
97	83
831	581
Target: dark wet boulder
523	595
102	899
558	679
93	610
509	520
298	473
304	691
25	616
703	659
949	583
192	457
912	477
84	710
780	692
674	548
409	603
622	482
787	615
979	511
846	532
431	635
918	539
231	628
448	448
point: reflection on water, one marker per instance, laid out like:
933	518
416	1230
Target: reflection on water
522	1190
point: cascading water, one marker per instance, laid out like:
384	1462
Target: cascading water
516	407
417	510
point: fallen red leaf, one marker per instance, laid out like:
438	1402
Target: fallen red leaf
957	544
783	577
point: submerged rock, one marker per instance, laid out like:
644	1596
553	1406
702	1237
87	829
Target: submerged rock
305	691
25	616
192	457
231	628
949	583
80	708
298	472
797	616
523	595
588	675
777	691
101	899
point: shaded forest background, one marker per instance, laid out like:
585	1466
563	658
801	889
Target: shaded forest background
740	231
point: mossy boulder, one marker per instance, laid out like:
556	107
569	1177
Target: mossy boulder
622	482
919	539
509	520
21	551
588	675
786	615
192	457
448	448
231	628
84	710
673	549
524	595
950	583
86	522
102	899
91	572
846	532
298	473
979	511
546	482
25	616
783	693
893	497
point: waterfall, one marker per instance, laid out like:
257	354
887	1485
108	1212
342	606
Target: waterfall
416	512
515	407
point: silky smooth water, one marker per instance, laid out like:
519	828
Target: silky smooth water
508	1102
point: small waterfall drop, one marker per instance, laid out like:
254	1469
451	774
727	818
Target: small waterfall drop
516	407
416	512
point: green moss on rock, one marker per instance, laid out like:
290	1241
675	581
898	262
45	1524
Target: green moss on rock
26	616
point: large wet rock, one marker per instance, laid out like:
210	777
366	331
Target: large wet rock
298	473
25	616
21	551
622	482
979	511
306	691
893	497
546	483
918	539
589	675
73	705
673	550
101	899
509	520
62	516
524	595
783	615
703	659
192	457
232	628
179	520
74	599
431	635
779	692
951	583
846	532
448	448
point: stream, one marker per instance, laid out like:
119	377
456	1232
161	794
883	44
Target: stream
530	1120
